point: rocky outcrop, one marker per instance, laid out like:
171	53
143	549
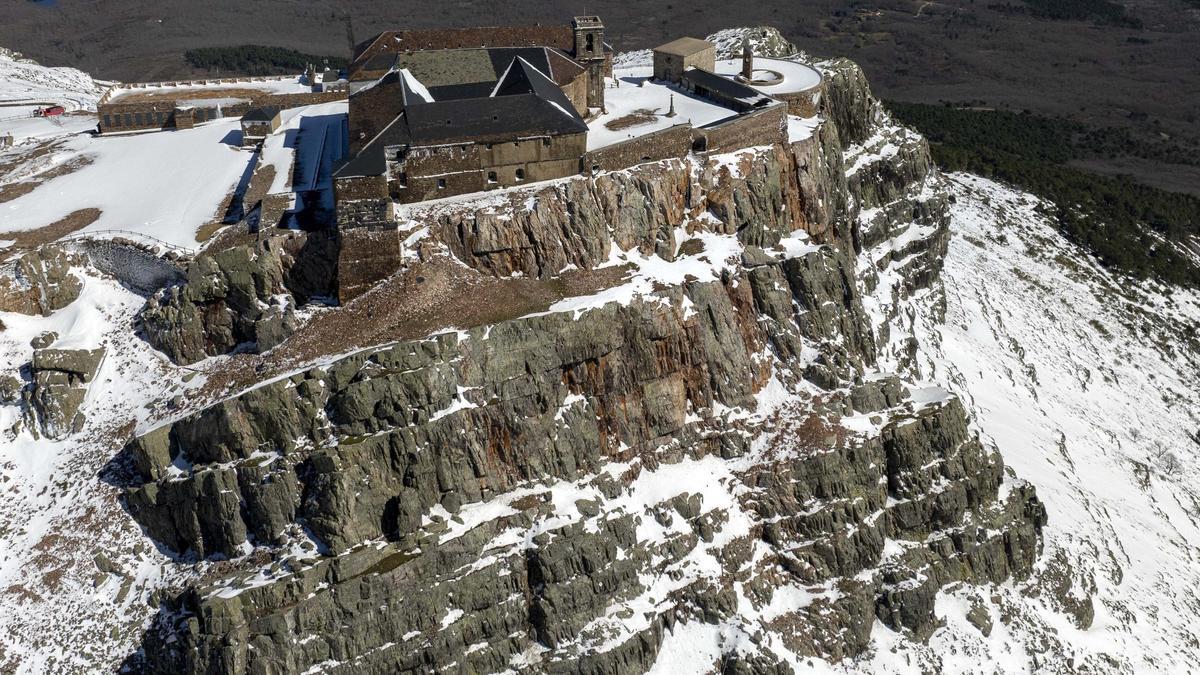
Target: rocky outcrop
230	298
242	297
817	512
38	281
644	365
60	379
564	492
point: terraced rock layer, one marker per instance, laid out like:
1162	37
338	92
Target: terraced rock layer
707	450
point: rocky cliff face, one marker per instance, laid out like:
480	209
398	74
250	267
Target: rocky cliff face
38	281
239	297
704	454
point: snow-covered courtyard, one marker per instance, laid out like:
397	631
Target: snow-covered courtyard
632	92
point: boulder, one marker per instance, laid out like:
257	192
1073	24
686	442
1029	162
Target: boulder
39	281
60	379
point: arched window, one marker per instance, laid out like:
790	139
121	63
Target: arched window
520	174
591	42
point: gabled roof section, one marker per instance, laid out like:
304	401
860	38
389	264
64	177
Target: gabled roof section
412	92
685	46
522	78
261	114
563	68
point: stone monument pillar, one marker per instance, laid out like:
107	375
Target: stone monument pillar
747	59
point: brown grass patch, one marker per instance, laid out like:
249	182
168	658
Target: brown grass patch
634	119
13	190
426	298
207	230
237	234
72	222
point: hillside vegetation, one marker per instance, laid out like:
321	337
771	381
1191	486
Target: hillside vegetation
257	60
1123	223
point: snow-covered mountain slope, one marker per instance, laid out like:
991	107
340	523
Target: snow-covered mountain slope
23	80
26	85
1084	382
164	186
1087	384
76	572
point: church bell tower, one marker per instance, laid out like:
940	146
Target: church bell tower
589	52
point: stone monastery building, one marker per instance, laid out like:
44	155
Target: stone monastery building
435	113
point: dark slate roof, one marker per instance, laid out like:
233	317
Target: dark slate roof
379	62
726	86
526	103
463	73
261	114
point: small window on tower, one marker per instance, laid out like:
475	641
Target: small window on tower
441	183
492	177
591	42
520	174
402	179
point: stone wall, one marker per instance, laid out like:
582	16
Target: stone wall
767	126
802	103
274	206
163	113
366	255
360	187
670	67
668	143
446	170
577	92
137	267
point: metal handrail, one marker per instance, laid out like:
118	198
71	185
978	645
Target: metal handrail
155	240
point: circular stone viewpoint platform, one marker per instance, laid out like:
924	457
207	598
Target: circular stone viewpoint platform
789	81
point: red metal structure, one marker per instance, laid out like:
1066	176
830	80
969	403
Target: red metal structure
52	111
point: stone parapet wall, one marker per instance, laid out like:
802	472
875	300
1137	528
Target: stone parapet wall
669	143
164	114
204	82
767	126
802	103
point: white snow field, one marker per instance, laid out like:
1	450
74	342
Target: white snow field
631	90
163	184
796	76
59	611
1086	383
26	86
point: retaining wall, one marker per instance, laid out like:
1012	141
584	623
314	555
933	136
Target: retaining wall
668	143
134	265
767	126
